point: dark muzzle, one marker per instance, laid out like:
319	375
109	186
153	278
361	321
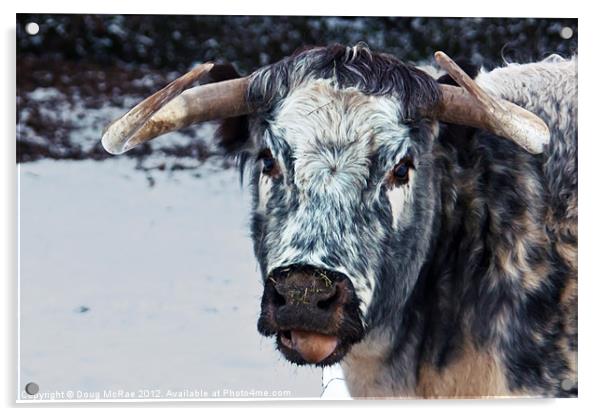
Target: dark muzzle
313	312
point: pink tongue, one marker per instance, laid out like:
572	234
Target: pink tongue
312	346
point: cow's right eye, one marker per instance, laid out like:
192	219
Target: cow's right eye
268	163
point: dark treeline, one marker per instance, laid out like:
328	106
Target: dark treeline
175	42
78	67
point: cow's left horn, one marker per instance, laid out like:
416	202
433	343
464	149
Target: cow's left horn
172	108
471	106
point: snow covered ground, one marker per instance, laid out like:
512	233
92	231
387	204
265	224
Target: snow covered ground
140	287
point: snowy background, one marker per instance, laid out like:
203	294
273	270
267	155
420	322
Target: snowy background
126	286
137	276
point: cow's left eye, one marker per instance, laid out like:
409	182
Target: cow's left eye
401	171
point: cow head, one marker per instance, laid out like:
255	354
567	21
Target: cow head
338	145
341	174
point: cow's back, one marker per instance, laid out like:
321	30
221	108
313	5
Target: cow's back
549	89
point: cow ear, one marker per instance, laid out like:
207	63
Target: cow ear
232	133
468	67
455	134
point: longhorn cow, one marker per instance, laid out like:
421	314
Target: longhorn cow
422	232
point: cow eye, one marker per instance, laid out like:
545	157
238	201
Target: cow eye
268	163
401	171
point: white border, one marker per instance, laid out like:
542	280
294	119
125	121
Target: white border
18	280
458	8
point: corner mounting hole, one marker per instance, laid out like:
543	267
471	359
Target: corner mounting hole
32	388
32	28
566	33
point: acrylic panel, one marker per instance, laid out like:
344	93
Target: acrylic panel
326	209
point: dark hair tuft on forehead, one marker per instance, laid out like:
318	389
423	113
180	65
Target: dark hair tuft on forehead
357	66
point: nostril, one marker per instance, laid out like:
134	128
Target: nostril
326	304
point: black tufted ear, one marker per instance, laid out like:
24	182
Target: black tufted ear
471	70
233	132
454	133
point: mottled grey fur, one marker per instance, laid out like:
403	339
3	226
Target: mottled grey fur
466	275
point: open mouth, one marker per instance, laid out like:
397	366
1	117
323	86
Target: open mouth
313	313
308	347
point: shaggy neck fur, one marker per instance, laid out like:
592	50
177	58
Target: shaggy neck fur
493	312
489	324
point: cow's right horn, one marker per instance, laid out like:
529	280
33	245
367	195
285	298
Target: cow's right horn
174	107
469	105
